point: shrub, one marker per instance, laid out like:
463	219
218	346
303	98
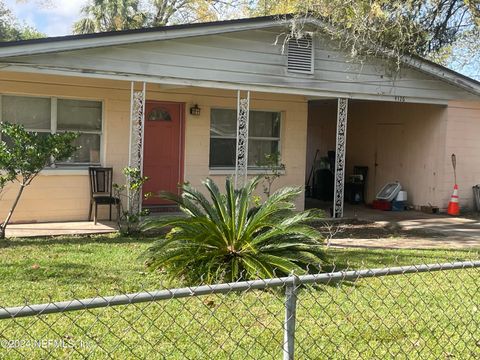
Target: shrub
23	154
227	239
273	170
131	198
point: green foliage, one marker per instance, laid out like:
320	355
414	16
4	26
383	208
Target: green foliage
444	31
274	169
225	238
187	11
24	154
112	15
11	30
131	193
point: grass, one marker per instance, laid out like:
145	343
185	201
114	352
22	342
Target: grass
430	316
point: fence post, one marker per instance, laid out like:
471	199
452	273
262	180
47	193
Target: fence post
289	325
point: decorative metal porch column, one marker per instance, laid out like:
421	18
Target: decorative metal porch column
137	118
342	113
241	162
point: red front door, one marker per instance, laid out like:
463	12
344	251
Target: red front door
163	149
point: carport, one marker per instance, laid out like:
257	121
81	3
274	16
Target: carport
393	141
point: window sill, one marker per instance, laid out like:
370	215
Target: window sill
249	172
64	171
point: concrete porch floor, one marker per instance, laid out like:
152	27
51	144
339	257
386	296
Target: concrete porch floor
366	227
361	227
60	228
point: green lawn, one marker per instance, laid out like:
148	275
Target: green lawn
429	316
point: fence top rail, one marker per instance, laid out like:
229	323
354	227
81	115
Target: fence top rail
292	280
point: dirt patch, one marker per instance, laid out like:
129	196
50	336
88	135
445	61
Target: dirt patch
356	229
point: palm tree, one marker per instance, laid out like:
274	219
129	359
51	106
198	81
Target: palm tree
226	238
110	15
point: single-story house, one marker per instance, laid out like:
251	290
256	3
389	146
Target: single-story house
174	100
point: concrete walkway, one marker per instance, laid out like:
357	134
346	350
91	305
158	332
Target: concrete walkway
60	228
409	230
410	243
363	227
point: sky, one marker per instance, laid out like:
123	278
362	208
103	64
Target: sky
51	17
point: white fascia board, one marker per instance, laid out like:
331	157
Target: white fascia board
154	79
444	74
120	39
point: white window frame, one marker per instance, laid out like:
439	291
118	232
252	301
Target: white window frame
54	130
214	169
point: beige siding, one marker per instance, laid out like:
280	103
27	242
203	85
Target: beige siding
64	195
421	141
253	57
61	196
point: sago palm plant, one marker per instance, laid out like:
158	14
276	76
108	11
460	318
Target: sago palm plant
229	238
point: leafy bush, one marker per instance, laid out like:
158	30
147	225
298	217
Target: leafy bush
273	170
226	238
130	194
23	154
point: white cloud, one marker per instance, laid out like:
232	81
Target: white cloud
52	17
66	8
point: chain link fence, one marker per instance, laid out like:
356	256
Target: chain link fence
414	312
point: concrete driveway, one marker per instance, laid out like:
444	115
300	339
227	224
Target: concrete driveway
366	227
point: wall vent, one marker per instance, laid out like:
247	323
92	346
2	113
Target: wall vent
300	55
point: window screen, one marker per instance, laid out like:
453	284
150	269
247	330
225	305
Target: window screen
263	137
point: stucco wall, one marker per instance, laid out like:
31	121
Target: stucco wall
417	147
463	140
63	195
293	136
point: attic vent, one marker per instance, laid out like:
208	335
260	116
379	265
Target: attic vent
300	55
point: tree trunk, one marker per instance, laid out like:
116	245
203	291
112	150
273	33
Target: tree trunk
3	227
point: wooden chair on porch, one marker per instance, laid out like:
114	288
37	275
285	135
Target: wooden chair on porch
101	191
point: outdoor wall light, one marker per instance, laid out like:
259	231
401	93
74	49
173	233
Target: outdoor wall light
195	110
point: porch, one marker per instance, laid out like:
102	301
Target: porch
131	121
293	125
282	122
123	92
29	230
383	142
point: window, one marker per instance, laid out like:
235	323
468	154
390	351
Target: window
50	115
159	114
86	118
263	137
33	113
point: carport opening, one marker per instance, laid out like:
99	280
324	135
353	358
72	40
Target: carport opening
386	142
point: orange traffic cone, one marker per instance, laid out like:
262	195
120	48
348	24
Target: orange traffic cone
453	208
